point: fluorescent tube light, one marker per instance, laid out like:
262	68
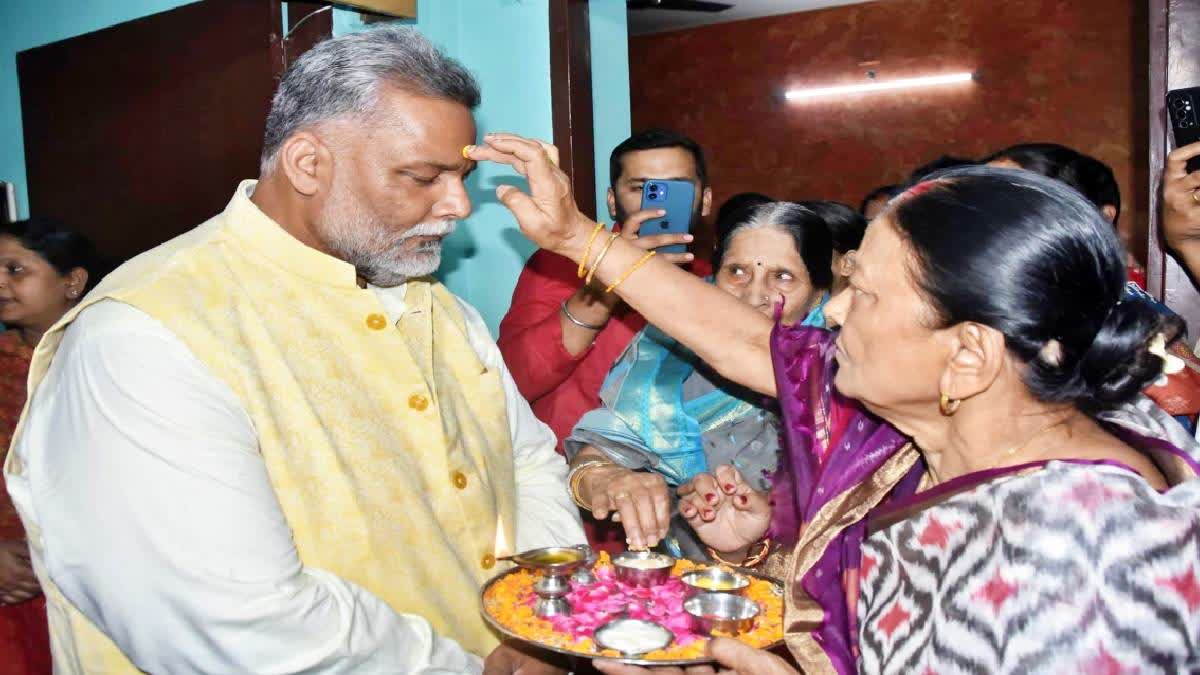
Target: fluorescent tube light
905	83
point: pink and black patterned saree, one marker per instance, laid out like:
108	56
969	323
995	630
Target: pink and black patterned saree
1064	566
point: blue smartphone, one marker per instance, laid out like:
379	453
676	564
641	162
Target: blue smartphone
676	197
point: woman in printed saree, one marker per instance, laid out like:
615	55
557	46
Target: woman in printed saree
1036	528
666	416
1001	499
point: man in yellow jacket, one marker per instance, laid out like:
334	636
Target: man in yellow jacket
275	444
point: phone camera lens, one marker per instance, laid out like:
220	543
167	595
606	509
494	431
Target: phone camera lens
665	224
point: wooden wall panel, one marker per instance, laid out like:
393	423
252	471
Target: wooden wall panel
1067	71
571	97
141	131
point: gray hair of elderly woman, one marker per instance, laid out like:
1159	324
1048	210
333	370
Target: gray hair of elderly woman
808	231
342	77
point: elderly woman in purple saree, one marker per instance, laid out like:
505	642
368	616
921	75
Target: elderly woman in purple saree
843	463
971	480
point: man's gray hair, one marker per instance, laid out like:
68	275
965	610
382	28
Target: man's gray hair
342	77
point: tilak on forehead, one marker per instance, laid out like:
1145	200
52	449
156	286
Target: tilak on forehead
919	189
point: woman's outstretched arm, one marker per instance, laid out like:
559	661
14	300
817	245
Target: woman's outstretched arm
728	335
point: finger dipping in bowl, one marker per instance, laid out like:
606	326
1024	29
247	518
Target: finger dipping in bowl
643	568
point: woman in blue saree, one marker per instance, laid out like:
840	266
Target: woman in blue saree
666	416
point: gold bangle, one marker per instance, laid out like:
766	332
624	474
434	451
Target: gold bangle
631	270
575	476
587	250
758	558
599	258
751	560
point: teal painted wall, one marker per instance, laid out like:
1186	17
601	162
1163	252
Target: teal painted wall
504	42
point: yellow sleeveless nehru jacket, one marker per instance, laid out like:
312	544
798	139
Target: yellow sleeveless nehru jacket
387	444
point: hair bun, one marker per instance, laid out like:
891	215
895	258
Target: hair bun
1118	364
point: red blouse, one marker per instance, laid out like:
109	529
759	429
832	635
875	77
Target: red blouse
14	372
24	633
559	387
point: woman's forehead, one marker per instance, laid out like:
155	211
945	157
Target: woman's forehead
762	239
11	246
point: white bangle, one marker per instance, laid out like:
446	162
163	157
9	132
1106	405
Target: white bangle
570	317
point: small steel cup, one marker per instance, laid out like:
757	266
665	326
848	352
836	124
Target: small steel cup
623	567
714	580
730	614
657	637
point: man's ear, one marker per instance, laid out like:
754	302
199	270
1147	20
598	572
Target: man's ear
305	160
706	202
612	204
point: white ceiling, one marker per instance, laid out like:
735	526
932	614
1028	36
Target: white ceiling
646	21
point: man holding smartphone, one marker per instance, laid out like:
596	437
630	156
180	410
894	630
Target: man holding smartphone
1181	206
560	336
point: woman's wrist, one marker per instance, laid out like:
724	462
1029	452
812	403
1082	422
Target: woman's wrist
576	477
575	247
746	556
591	304
593	483
737	556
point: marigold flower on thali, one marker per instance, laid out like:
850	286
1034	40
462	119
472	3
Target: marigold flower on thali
510	602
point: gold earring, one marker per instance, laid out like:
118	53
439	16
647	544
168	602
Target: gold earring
947	405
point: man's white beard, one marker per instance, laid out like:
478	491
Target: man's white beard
382	257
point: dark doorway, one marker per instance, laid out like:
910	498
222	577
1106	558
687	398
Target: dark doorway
139	132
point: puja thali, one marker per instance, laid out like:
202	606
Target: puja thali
538	603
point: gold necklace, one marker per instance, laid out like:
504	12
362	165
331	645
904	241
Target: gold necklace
1009	453
936	480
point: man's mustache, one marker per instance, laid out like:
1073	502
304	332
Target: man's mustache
433	228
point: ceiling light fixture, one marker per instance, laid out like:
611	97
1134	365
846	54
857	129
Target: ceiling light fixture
905	83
